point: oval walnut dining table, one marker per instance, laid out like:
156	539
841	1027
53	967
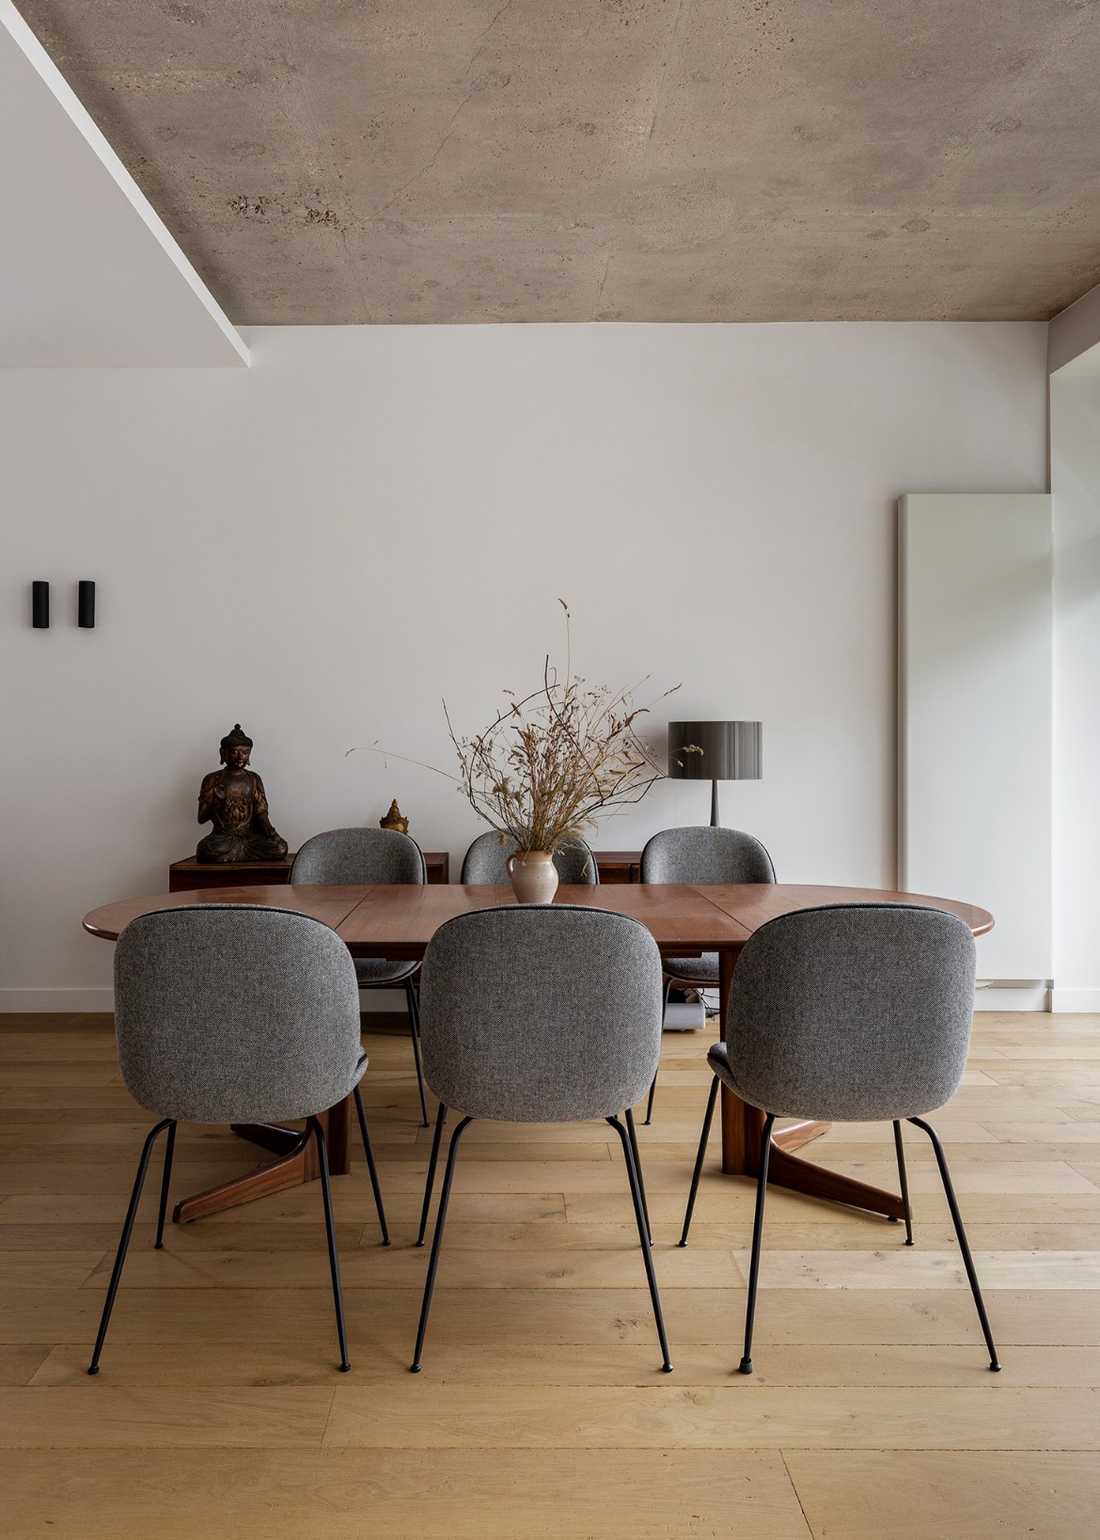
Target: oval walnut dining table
398	921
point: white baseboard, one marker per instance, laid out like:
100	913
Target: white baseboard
1027	995
1071	1001
57	1001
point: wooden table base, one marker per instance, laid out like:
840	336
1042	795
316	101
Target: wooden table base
742	1131
297	1164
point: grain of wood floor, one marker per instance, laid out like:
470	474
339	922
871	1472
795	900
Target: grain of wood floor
541	1411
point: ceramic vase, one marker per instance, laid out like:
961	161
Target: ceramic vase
534	876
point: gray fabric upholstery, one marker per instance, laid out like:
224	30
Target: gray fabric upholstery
705	855
541	1014
352	856
854	1012
694	970
486	861
376	971
235	1014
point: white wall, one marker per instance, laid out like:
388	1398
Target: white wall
1075	481
368	519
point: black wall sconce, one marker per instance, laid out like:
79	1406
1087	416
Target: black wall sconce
40	605
85	604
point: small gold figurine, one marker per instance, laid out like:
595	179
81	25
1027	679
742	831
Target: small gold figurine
394	819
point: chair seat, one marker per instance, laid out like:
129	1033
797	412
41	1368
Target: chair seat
693	970
380	970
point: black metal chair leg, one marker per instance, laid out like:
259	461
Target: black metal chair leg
904	1180
440	1119
633	1174
165	1184
964	1247
330	1232
633	1136
712	1097
372	1170
414	1024
649	1099
437	1241
745	1365
124	1240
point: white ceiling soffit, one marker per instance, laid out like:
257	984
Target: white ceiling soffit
1074	336
89	276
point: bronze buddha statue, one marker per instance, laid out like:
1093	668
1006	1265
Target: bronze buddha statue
234	801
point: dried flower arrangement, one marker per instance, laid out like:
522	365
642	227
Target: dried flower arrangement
551	760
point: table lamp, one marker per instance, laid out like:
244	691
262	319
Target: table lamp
715	751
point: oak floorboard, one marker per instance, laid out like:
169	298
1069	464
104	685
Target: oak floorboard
905	1268
461	1494
425	1413
872	1495
20	1363
149	1417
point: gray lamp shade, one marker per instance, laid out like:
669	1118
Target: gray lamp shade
715	751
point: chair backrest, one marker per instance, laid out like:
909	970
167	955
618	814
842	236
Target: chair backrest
541	1014
705	855
355	856
486	861
234	1014
856	1011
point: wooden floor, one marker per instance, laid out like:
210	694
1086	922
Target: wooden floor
541	1411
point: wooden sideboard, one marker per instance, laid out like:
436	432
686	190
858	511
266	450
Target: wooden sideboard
619	865
615	866
192	874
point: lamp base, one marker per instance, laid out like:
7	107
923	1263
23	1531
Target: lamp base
714	804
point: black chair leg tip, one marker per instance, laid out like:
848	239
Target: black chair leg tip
414	1368
995	1367
386	1241
892	1219
910	1243
666	1368
681	1243
93	1368
745	1366
158	1246
345	1368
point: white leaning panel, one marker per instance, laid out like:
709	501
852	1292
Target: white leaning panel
974	714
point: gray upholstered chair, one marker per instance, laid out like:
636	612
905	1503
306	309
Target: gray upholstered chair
708	856
236	1014
487	859
854	1012
540	1014
358	856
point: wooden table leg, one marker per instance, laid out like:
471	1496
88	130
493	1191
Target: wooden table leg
297	1164
743	1127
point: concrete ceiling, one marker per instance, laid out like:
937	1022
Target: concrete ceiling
325	161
